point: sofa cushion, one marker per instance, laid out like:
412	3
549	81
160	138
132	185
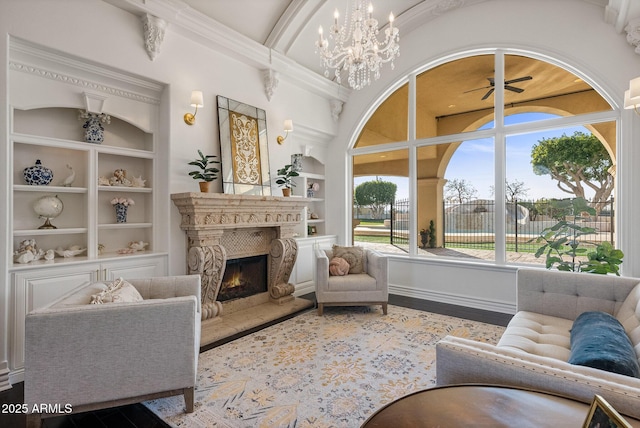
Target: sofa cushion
629	317
352	283
120	291
598	340
538	334
353	255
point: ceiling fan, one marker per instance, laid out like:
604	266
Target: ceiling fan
507	86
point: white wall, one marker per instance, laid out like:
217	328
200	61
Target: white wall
99	32
570	31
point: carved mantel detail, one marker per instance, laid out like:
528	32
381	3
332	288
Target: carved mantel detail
221	227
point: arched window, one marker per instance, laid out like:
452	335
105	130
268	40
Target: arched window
480	150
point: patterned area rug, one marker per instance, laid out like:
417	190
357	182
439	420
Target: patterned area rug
319	372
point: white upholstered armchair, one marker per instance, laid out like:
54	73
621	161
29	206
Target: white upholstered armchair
354	289
89	357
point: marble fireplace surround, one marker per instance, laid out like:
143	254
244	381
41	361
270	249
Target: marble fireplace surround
221	227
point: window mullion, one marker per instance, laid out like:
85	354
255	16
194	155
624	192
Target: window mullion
413	169
500	161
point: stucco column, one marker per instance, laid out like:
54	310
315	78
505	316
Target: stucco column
430	199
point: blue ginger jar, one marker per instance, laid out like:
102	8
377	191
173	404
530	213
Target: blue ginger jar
38	175
93	129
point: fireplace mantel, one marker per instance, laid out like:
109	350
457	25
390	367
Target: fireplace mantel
202	211
221	226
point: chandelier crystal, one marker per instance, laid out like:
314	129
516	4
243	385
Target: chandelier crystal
356	49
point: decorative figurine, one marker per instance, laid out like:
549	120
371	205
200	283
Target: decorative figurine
27	252
138	245
138	182
67	182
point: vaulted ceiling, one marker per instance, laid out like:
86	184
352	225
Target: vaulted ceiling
290	27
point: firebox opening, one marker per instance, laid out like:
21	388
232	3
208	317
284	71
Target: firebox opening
244	277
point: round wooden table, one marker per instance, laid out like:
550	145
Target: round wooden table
481	406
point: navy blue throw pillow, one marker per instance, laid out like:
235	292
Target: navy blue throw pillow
598	340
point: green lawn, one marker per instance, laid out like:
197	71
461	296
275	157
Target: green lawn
374	239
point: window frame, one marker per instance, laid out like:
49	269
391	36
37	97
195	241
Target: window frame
500	132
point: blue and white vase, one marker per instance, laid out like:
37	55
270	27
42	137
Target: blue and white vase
93	129
296	162
121	213
37	175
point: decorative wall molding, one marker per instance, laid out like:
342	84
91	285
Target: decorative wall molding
83	83
633	34
336	108
213	35
154	29
270	79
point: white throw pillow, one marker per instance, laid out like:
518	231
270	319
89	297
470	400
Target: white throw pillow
119	291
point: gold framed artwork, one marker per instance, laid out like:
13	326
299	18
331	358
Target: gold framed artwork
602	415
243	148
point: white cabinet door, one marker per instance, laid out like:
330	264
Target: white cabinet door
36	288
146	267
304	262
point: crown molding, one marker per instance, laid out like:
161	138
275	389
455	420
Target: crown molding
29	58
212	34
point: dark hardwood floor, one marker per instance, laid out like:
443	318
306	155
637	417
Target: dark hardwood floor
138	416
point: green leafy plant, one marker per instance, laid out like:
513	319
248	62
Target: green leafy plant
285	175
206	171
561	244
432	234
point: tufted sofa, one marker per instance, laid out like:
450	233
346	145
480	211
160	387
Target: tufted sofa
534	349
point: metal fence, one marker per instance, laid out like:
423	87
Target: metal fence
471	224
400	224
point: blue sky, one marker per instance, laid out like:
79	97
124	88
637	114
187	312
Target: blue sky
473	162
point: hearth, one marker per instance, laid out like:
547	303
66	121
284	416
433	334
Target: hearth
244	277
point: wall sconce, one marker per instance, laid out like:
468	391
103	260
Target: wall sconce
288	127
196	101
632	95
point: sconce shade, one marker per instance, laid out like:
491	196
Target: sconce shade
629	102
288	127
197	101
632	95
634	88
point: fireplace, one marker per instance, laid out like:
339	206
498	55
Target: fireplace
223	227
244	277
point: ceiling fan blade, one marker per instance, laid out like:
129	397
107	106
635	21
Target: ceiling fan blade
513	88
519	79
488	94
477	89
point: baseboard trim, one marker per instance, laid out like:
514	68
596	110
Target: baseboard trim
454	299
5	381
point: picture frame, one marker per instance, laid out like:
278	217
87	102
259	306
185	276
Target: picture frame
244	148
311	230
602	414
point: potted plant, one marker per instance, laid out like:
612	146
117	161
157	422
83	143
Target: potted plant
562	246
284	179
207	173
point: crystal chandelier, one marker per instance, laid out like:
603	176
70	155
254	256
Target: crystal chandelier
356	48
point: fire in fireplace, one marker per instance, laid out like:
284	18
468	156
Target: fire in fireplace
244	277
